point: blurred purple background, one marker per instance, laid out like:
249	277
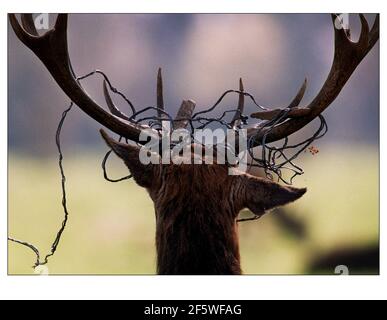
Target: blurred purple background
202	55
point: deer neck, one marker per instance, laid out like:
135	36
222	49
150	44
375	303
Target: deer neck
197	242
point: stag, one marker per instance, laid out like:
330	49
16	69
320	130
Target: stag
197	206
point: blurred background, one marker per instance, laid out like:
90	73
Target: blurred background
111	227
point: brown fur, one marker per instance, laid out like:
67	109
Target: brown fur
196	209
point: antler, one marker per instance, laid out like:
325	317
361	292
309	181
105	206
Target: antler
51	48
236	121
347	57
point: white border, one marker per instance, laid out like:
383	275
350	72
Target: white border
143	287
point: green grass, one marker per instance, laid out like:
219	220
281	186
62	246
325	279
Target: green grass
111	227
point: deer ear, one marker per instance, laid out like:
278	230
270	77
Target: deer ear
263	194
142	174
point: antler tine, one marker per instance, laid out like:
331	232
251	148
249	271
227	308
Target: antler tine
295	111
236	121
23	36
28	24
298	98
365	30
347	57
160	98
374	34
112	107
51	48
185	112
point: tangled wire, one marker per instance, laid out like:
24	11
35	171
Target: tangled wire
58	236
272	159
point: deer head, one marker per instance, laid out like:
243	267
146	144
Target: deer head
196	210
197	205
